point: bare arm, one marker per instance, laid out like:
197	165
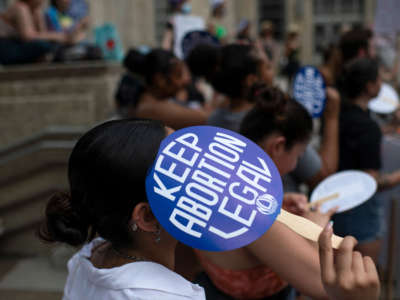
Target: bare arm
39	20
167	40
27	29
329	150
173	115
385	181
292	257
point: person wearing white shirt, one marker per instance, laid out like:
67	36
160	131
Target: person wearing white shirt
133	257
136	280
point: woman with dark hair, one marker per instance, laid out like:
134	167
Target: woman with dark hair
239	68
282	127
164	75
180	23
265	268
360	149
215	23
133	257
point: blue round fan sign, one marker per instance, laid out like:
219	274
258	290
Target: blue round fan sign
195	38
309	90
213	189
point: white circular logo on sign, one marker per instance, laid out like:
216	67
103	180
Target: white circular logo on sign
267	204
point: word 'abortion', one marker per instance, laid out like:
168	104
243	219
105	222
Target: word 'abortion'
212	181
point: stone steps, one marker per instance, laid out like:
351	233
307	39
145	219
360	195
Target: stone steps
30	172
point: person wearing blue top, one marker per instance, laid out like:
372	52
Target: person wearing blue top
61	16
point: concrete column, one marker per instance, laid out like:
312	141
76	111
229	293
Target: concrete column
200	8
369	12
307	32
134	19
247	10
300	12
289	12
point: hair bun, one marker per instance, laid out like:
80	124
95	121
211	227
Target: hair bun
269	99
135	62
62	223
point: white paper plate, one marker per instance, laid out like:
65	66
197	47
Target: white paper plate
353	189
386	102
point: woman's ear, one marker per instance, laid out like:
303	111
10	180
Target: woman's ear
144	218
274	145
278	146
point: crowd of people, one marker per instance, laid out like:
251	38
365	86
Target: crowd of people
128	255
30	32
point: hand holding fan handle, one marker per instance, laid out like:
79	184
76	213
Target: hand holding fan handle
305	228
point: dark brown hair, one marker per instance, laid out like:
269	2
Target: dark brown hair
107	171
276	112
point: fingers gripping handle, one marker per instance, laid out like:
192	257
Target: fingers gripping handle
305	228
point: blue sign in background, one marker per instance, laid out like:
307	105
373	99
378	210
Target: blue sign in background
213	189
309	90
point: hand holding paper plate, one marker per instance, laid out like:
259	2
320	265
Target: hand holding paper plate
215	190
346	190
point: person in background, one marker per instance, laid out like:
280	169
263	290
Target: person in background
131	84
291	53
332	64
356	43
269	43
239	68
215	23
243	33
360	141
203	62
180	23
132	256
164	77
24	37
58	19
263	269
313	165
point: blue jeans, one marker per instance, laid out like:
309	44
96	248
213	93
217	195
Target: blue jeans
15	51
365	222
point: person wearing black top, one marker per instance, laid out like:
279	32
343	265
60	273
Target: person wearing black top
360	149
